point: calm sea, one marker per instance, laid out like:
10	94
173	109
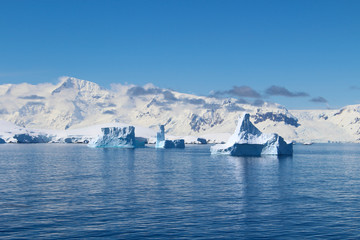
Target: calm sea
50	191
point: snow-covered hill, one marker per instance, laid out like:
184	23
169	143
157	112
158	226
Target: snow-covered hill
73	103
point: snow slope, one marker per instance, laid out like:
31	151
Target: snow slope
75	104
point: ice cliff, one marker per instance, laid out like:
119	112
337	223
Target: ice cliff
247	140
115	137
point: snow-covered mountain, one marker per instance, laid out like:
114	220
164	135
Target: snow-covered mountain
75	103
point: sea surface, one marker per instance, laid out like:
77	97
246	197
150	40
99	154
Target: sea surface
55	191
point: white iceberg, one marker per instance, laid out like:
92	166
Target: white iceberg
123	137
160	137
161	142
247	140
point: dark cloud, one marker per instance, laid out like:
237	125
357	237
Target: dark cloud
164	105
32	97
169	96
258	103
236	91
109	112
244	91
281	91
157	103
318	100
140	91
242	101
214	94
212	106
193	101
234	108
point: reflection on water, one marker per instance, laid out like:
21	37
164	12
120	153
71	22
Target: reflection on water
71	191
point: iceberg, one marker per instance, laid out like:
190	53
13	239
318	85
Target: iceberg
68	140
2	141
162	143
247	140
201	141
140	142
160	137
179	143
27	138
123	137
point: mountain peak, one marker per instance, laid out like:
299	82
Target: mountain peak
76	84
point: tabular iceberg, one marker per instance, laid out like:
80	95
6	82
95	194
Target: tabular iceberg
162	143
247	140
123	137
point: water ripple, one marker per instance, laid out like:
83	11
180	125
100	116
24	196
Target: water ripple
71	191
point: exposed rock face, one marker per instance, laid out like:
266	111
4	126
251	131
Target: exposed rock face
208	119
247	140
115	137
276	117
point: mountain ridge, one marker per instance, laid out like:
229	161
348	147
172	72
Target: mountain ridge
74	103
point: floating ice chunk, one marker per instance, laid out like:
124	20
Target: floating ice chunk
2	141
179	143
123	137
247	140
202	140
162	143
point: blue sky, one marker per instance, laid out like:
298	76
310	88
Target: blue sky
277	49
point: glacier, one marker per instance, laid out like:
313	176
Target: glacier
161	142
247	140
123	137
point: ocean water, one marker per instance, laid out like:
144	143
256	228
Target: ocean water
54	191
